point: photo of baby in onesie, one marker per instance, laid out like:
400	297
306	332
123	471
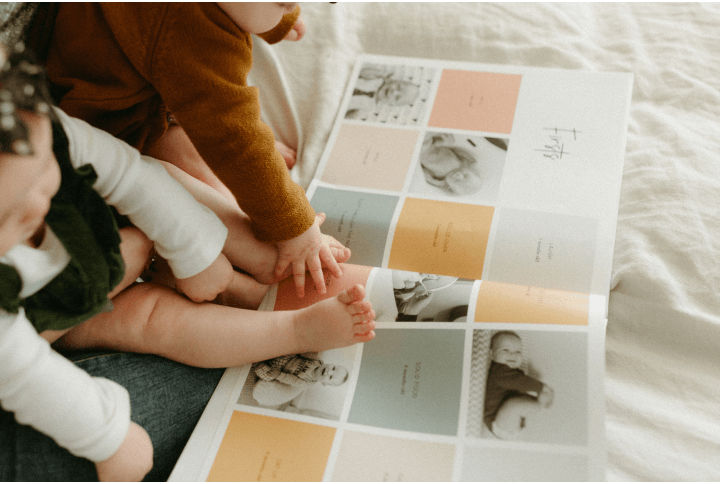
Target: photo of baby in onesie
511	396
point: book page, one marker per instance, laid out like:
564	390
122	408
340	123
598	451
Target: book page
480	205
501	173
419	386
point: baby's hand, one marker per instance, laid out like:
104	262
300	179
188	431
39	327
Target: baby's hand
298	30
206	285
132	461
546	396
338	251
307	248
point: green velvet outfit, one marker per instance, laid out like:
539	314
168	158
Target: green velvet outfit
87	228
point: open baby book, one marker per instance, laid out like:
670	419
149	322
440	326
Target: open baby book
480	204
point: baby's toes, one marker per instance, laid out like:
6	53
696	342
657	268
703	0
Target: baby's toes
364	337
352	294
364	327
363	317
360	307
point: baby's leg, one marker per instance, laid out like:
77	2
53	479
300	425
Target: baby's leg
288	154
135	248
176	148
514	415
243	292
154	319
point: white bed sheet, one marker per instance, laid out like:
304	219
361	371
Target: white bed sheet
663	336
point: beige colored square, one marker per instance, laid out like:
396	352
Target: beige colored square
370	157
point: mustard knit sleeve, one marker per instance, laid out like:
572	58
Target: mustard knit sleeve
281	30
199	67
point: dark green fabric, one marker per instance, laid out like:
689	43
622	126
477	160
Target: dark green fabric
86	226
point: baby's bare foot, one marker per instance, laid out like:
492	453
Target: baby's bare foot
288	154
336	322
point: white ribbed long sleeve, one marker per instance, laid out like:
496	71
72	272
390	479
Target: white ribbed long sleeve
88	416
189	235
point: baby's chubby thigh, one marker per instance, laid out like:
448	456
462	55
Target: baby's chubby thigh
135	248
52	335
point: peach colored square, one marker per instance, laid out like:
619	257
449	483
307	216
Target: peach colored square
439	237
287	299
476	101
370	157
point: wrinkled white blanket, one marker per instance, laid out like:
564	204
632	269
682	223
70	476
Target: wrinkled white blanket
663	336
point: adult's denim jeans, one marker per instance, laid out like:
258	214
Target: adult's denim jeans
167	399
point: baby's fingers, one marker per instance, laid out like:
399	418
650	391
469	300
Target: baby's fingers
338	251
327	257
317	275
299	277
281	267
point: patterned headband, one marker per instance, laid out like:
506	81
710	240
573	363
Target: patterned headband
22	86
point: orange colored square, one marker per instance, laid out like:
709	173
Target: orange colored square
510	303
287	297
440	237
260	448
476	101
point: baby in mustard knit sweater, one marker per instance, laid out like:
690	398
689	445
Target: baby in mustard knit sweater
128	67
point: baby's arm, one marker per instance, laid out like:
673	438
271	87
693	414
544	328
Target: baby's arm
298	30
307	248
208	283
291	380
546	396
291	27
186	233
516	380
85	415
132	461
